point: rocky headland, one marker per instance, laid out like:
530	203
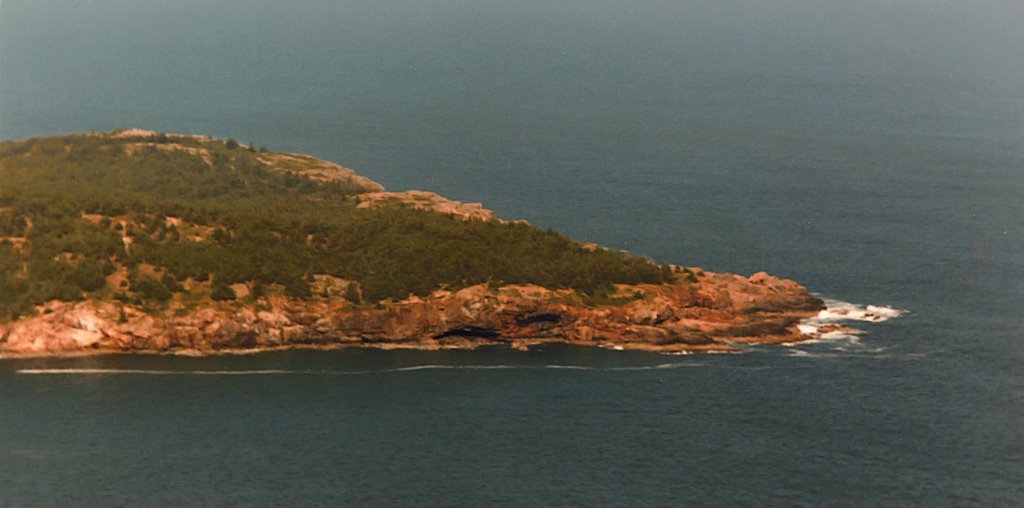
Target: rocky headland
147	301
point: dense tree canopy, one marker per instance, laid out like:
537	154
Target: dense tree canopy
76	209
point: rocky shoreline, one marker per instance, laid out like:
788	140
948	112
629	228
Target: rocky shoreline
707	312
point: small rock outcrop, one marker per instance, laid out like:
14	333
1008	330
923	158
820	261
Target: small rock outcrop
429	201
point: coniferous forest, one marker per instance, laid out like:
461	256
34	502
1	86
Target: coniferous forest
155	219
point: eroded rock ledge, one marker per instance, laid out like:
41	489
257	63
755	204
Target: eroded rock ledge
711	312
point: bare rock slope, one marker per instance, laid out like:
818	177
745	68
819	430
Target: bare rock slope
715	313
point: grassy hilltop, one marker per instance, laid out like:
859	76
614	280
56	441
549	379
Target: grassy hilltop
169	221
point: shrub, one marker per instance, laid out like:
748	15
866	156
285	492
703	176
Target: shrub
258	290
221	291
352	293
297	287
171	283
87	275
150	289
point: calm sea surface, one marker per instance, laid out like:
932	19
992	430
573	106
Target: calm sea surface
874	152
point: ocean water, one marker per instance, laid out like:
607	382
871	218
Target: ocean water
873	151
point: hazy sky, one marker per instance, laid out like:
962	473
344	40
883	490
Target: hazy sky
63	61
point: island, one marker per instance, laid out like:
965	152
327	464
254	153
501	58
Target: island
136	241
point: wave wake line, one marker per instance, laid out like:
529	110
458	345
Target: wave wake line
272	372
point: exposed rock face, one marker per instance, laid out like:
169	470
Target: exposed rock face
711	314
318	170
293	163
423	200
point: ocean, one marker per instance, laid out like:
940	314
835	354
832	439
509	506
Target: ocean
873	151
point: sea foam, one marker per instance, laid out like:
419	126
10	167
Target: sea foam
836	313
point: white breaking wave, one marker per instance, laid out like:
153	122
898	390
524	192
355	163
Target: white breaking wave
266	372
836	313
653	367
836	310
